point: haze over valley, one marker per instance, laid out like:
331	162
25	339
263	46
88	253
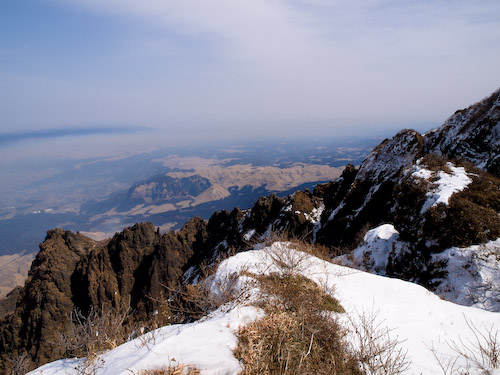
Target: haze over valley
165	186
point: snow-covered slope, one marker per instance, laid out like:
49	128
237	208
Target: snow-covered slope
419	319
469	276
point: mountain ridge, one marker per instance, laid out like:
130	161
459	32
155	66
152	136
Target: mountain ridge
139	266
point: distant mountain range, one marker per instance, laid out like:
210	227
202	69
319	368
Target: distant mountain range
167	187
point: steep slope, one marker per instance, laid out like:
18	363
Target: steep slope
472	134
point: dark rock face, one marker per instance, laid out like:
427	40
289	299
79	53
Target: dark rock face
137	268
364	199
472	134
72	271
46	298
8	304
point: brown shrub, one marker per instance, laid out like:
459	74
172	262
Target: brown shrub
298	335
172	369
471	217
297	293
101	330
436	162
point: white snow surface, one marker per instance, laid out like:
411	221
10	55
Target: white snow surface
417	317
373	252
472	275
206	345
445	185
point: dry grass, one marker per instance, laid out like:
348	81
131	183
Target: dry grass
172	369
481	352
190	302
100	330
436	163
297	293
377	351
20	364
298	243
299	334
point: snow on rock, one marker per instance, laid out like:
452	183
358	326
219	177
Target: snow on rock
390	157
472	275
444	184
374	251
417	317
248	235
315	218
472	133
206	345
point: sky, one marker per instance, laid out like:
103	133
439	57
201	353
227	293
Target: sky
213	69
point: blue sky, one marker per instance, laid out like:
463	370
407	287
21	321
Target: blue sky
244	68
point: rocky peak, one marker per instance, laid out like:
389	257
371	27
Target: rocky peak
472	133
392	155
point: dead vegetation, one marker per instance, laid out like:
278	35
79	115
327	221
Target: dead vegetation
377	351
172	369
481	353
302	334
298	335
20	364
100	330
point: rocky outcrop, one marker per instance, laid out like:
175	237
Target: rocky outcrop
46	300
163	188
472	134
364	198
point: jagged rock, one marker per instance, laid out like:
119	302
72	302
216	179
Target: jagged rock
8	304
45	303
472	134
263	212
368	199
164	188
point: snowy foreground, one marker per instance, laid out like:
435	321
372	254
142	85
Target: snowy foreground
416	317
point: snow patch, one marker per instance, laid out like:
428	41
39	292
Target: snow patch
206	345
315	218
445	184
417	317
372	255
472	275
249	235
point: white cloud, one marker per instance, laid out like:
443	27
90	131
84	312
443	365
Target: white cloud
276	60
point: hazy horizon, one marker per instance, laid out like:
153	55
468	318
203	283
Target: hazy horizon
230	70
